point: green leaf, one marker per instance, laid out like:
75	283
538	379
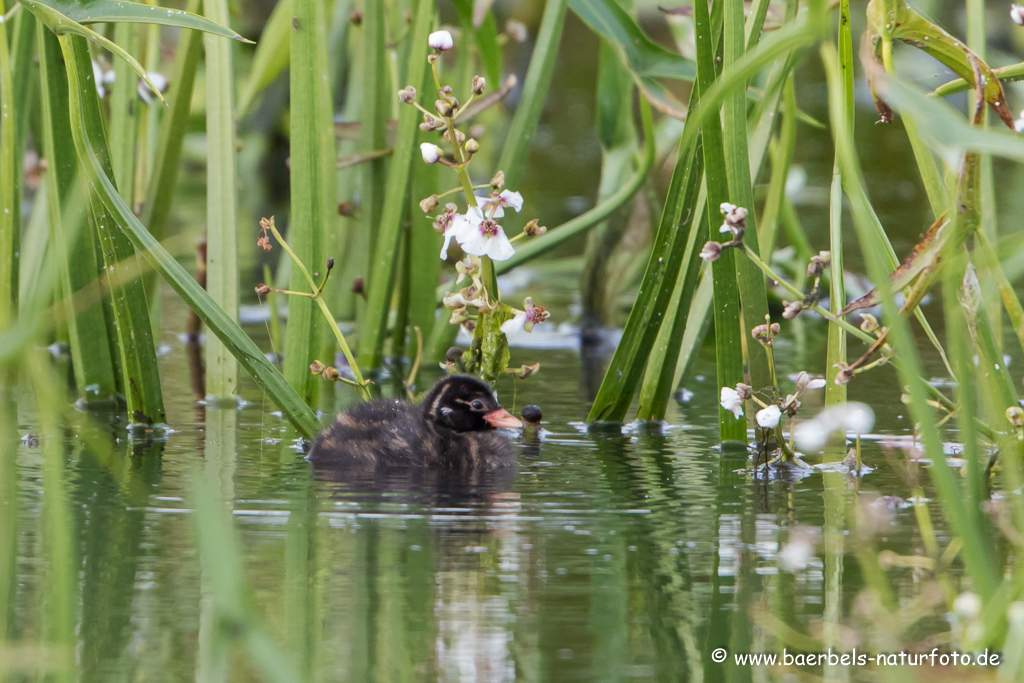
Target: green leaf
10	188
221	202
675	231
84	130
74	247
313	198
114	11
396	200
645	58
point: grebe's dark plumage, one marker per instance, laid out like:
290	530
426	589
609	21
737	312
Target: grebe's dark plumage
452	429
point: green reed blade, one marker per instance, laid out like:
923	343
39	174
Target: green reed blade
156	209
313	198
86	130
115	11
664	265
271	57
782	159
644	57
749	278
975	550
10	188
221	201
836	349
521	130
124	113
23	52
141	376
728	342
381	271
74	247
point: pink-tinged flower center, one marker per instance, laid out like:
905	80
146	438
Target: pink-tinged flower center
488	228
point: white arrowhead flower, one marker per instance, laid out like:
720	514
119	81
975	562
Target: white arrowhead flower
440	41
732	401
481	236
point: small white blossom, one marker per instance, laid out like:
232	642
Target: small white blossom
98	77
431	153
440	41
732	401
1017	14
768	418
525	320
482	236
492	206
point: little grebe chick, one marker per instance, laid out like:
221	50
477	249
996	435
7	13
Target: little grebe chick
452	429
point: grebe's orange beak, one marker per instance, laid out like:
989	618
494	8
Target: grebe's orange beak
503	418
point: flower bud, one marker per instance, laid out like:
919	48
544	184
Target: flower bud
792	309
711	252
534	230
472	146
479	84
868	323
316	367
407	94
498	181
429	204
443	108
775	328
453	354
1015	414
359	286
355	17
1017	14
431	153
331	373
459	316
431	58
262	289
446	91
440	41
347	209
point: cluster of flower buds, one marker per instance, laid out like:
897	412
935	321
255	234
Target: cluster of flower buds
765	333
328	372
735	224
818	264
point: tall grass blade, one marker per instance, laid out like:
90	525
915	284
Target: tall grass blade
975	550
313	202
156	209
221	201
124	113
140	374
87	137
10	188
749	278
382	270
73	247
836	350
664	265
22	44
728	340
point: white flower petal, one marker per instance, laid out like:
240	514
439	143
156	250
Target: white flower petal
515	325
512	199
499	248
768	418
440	40
490	205
731	401
431	153
818	383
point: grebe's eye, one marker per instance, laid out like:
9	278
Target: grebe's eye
477	405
